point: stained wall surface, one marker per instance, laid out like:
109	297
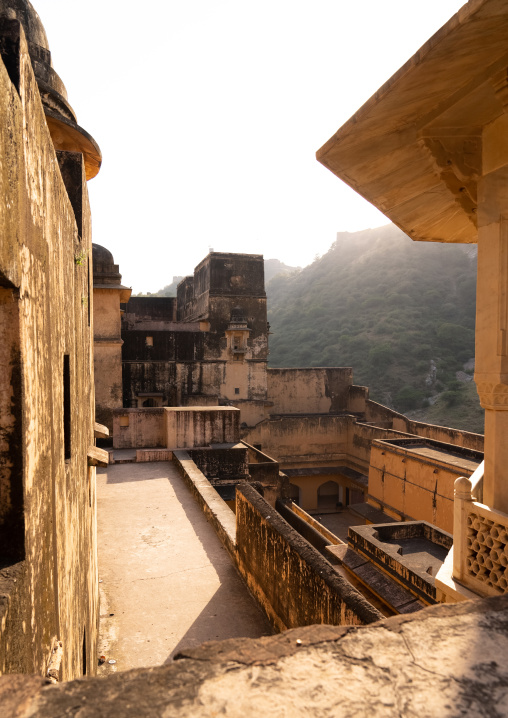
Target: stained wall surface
309	390
191	351
271	554
47	491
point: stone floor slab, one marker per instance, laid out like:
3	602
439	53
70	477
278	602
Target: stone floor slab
167	583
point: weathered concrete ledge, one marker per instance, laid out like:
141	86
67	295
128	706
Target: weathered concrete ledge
214	507
445	661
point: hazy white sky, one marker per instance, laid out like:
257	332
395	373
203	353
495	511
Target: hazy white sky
209	114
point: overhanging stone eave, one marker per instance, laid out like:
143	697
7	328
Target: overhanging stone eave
360	153
424	219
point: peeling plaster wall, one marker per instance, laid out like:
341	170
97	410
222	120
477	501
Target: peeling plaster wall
39	240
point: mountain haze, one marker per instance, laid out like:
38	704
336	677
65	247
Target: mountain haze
401	313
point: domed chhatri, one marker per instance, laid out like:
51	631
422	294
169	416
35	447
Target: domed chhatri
65	132
105	271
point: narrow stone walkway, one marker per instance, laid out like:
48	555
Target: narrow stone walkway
167	583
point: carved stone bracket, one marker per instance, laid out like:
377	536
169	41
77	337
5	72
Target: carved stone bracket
493	395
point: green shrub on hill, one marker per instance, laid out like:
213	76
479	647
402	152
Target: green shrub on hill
386	306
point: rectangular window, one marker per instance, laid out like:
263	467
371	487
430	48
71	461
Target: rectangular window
149	341
237	391
67	406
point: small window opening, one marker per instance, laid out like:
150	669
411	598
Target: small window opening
67	406
90	486
84	652
237	390
149	341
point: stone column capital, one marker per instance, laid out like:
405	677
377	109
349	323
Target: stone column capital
493	394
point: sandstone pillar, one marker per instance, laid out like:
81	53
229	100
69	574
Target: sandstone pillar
491	373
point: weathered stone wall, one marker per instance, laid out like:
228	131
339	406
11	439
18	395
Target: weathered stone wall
108	384
304	528
107	354
383	416
295	440
426	664
201	426
380	545
47	324
293	583
357	398
213	506
466	439
139	428
309	391
224	463
175	427
360	438
236	276
15	605
153	309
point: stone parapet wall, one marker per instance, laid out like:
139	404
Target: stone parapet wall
465	439
213	506
139	428
292	582
188	427
442	661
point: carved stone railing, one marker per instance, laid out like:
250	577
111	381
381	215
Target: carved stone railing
480	540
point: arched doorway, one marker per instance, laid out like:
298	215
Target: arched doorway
329	496
150	403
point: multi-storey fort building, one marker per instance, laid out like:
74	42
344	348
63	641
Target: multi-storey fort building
208	346
188	381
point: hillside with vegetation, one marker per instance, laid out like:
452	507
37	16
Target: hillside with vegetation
401	313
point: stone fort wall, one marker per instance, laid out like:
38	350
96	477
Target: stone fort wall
48	576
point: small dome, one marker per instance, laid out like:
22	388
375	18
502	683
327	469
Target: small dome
65	132
105	271
23	11
102	257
